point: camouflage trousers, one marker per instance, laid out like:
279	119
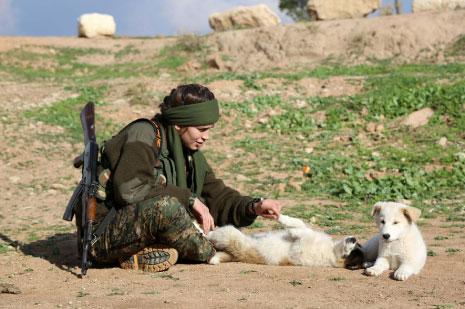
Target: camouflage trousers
154	221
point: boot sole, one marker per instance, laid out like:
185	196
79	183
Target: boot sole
151	259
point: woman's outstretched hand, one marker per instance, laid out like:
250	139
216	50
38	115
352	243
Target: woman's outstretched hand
270	209
203	216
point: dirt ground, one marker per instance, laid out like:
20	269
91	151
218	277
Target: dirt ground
36	180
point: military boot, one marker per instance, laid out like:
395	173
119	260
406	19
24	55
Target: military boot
152	259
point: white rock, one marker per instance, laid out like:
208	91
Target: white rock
437	5
96	25
14	179
243	17
418	118
442	141
341	9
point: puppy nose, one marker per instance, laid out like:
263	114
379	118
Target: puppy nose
386	236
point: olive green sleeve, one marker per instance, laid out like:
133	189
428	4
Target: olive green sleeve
133	159
227	206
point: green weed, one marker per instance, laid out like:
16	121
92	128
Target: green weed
66	114
452	251
245	272
457	48
4	248
295	282
116	292
127	50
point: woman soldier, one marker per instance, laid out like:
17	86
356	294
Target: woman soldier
160	180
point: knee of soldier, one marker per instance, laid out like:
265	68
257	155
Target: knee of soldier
170	207
164	207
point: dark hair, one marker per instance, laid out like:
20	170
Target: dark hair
185	95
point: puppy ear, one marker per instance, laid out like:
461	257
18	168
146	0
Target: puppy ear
376	209
350	240
411	213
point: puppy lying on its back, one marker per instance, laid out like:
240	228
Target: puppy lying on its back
298	245
399	245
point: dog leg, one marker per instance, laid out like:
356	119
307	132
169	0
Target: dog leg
220	257
381	265
222	236
403	272
290	221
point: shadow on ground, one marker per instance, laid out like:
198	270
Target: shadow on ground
59	249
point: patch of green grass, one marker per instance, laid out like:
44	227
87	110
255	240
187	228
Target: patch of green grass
399	95
450	70
457	48
82	293
166	277
248	271
151	293
116	292
295	282
362	168
441	237
171	62
337	279
452	251
431	253
140	95
256	225
443	306
4	248
64	65
186	47
33	236
66	114
324	216
127	50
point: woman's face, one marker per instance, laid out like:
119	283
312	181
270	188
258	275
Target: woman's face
194	138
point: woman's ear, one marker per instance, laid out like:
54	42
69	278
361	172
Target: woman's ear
177	128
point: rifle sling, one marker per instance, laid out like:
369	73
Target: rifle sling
103	225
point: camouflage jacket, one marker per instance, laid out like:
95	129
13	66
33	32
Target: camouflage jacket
133	159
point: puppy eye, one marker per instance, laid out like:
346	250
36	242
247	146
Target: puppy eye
396	222
382	222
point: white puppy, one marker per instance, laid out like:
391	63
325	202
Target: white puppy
298	245
399	245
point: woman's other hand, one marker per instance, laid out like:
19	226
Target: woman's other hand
203	216
270	209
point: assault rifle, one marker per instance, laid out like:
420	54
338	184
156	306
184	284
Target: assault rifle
85	192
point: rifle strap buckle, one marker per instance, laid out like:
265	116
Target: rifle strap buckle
95	238
103	225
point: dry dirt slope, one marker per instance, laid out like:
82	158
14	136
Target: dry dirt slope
36	178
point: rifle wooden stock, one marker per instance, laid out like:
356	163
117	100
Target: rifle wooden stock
91	209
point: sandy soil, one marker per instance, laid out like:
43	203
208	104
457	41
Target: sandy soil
36	180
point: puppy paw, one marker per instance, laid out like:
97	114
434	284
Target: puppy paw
215	260
402	274
373	271
221	236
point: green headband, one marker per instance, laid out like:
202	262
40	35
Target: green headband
198	114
